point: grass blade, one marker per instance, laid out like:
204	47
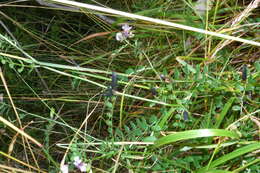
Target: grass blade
194	134
224	112
232	155
247	165
215	171
21	132
153	20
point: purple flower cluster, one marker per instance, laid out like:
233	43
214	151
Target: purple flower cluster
125	33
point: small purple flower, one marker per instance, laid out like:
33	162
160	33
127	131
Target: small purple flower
80	164
127	30
126	27
125	33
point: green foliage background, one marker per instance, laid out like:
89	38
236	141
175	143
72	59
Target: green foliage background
57	85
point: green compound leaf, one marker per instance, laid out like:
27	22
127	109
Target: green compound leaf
190	134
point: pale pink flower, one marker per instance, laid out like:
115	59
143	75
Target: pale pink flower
80	164
64	168
125	33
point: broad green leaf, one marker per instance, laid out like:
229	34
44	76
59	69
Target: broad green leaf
212	146
194	134
149	139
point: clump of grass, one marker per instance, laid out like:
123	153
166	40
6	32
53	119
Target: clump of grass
184	88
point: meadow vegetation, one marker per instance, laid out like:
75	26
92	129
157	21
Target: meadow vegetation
133	95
